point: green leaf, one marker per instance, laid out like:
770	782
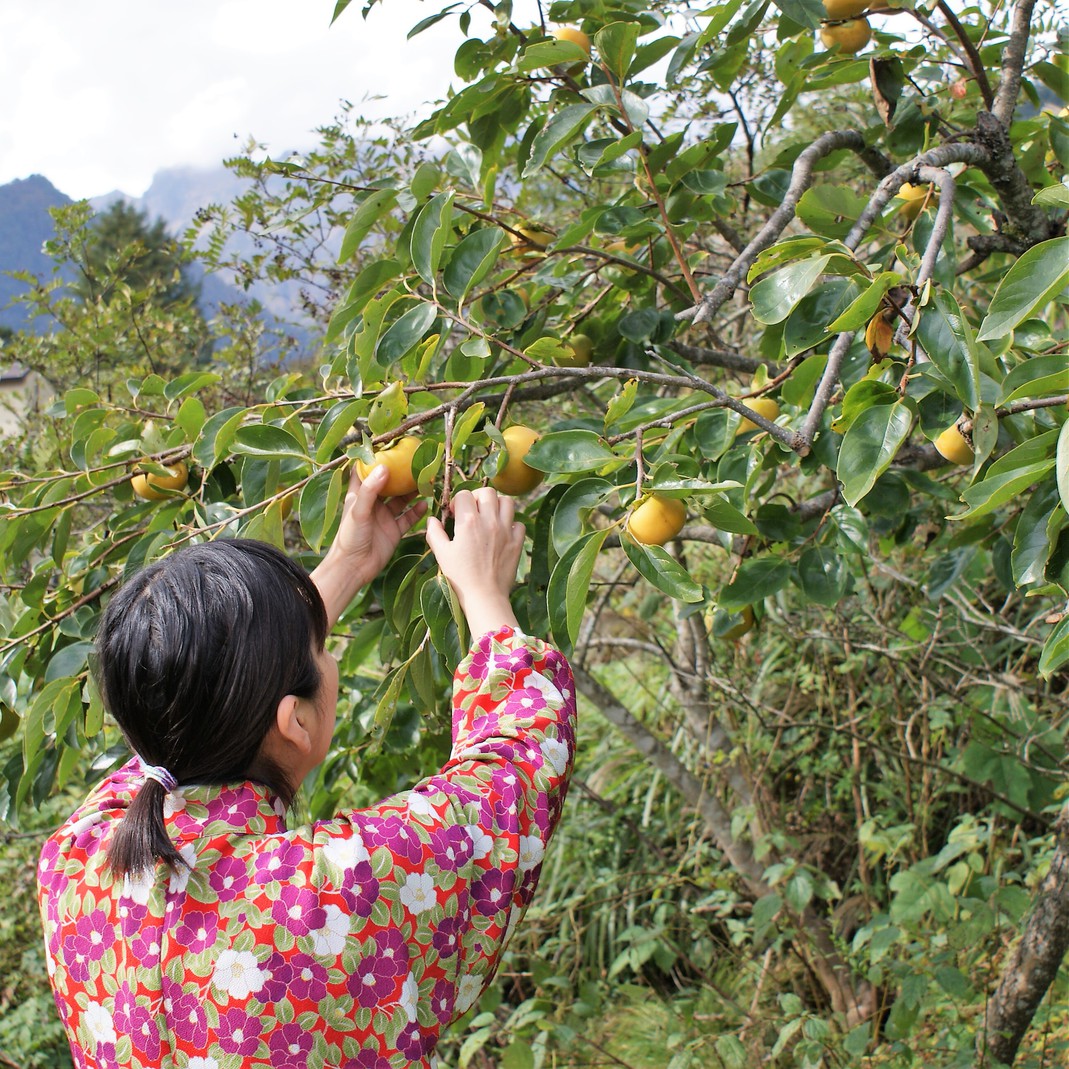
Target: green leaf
620	403
404	334
69	661
189	383
831	210
570	515
388	409
823	575
579	575
552	53
1055	649
217	435
661	570
869	446
472	261
807	325
754	581
725	517
947	339
320	498
990	493
774	298
569	451
616	47
1034	281
864	307
1031	542
560	130
273	443
335	425
1036	377
368	212
433	226
1056	196
807	13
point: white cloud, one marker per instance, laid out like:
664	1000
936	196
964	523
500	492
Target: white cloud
101	96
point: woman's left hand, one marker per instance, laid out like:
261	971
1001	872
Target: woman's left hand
368	534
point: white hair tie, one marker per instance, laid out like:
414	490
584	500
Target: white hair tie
161	776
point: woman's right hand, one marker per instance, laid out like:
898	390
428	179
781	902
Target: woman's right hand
481	558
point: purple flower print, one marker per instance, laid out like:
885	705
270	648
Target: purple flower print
490	893
228	878
278	979
446	940
480	661
367	1059
145	947
394	833
452	847
360	889
279	864
145	1035
292	907
238	1032
236	807
443	999
309	978
516	661
525	702
375	976
187	1019
290	1046
90	941
197	931
131	916
414	1043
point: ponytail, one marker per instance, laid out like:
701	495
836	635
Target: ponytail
194	654
140	839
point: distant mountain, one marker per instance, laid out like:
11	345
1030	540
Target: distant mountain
25	226
175	195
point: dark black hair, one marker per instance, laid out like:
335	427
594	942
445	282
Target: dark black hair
195	652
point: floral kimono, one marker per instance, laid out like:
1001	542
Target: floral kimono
349	942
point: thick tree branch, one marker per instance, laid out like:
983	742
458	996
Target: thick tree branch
725	358
1035	961
1009	86
801	179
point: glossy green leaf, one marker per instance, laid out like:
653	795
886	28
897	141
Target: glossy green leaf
433	226
661	570
367	214
1031	542
403	335
563	128
775	297
864	307
319	503
260	440
1036	377
823	575
1061	465
1055	648
570	451
996	490
472	260
616	47
1033	281
755	580
869	445
947	339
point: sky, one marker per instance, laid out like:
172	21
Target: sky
99	96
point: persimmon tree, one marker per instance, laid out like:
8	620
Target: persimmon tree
823	297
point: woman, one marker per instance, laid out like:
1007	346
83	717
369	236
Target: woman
187	926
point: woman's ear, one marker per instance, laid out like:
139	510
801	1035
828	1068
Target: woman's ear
290	720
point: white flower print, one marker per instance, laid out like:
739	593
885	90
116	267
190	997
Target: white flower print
138	888
329	941
202	1063
99	1022
180	876
556	753
481	841
419	805
346	852
532	850
418	893
238	973
467	992
410	996
173	802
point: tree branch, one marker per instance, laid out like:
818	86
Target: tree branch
1013	55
